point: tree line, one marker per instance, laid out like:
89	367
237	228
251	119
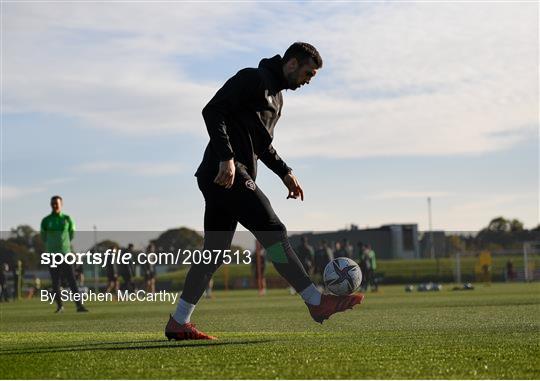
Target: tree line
25	244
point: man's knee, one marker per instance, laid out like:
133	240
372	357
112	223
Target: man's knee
271	233
277	245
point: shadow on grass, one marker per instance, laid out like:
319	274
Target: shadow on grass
128	345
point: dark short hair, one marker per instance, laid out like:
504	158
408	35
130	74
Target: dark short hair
56	197
303	51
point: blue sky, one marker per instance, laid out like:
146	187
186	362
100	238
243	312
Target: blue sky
101	104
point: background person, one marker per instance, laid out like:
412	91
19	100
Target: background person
370	263
57	232
510	272
362	264
79	274
258	268
365	266
4	297
35	288
126	271
323	256
113	284
339	251
149	271
347	247
306	255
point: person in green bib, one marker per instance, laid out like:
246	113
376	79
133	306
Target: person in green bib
57	231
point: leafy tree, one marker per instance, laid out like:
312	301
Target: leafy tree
102	246
498	224
23	243
11	252
181	238
454	244
502	233
23	235
516	226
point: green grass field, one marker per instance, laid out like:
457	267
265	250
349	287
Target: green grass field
491	332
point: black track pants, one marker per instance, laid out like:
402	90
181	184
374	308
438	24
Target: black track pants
244	203
63	271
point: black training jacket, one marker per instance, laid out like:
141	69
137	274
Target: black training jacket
240	120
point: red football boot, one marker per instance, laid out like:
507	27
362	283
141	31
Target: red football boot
330	304
187	331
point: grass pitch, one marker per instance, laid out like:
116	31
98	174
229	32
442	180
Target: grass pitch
491	332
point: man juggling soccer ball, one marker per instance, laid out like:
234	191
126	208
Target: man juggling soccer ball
240	119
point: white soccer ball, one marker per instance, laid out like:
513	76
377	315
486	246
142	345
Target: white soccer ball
342	276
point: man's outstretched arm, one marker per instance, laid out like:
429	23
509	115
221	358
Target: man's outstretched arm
272	160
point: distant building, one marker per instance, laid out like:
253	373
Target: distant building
439	244
396	241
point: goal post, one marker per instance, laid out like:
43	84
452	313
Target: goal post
457	268
531	259
521	264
